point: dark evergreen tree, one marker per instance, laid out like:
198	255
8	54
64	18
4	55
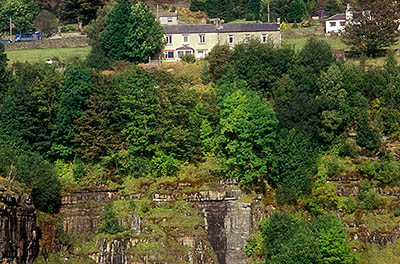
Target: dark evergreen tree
98	131
28	112
297	11
253	10
4	75
74	95
197	5
228	11
117	23
79	11
215	8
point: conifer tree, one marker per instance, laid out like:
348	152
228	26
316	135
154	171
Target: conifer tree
296	11
114	34
253	10
228	11
196	5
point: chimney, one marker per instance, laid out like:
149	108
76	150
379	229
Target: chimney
278	20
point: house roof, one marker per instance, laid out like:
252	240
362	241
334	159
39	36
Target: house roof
248	27
339	16
224	28
167	14
188	28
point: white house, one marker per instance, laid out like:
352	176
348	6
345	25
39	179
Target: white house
335	23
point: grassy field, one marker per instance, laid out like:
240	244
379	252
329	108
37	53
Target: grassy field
41	55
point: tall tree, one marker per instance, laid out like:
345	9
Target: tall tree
4	75
228	11
197	5
115	29
253	10
74	95
373	28
215	8
145	36
131	33
297	10
22	13
79	11
247	134
28	111
98	131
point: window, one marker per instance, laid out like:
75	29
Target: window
230	39
202	39
169	20
342	24
264	38
169	54
168	39
332	24
185	39
184	52
201	54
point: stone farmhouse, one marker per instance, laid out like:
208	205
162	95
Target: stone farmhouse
199	39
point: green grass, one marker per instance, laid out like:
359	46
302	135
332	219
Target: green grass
41	55
298	43
241	21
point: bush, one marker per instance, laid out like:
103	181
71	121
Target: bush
188	58
40	175
109	223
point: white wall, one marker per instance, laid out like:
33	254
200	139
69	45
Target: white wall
334	28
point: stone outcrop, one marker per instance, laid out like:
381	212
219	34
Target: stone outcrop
228	223
19	241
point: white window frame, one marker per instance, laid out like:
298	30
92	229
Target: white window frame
203	54
332	24
231	37
168	39
342	23
169	19
202	39
187	39
264	38
167	53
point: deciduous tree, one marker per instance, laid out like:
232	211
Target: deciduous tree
373	28
22	13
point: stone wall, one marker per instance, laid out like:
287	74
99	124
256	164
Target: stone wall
19	241
48	43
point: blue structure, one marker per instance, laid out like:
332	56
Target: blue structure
30	36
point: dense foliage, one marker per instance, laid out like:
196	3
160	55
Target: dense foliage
373	27
144	36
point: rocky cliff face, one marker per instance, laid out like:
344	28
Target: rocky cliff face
227	222
19	239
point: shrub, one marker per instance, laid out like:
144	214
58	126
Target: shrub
165	165
109	223
188	58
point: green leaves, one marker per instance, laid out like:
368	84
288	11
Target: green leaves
131	33
22	12
247	134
